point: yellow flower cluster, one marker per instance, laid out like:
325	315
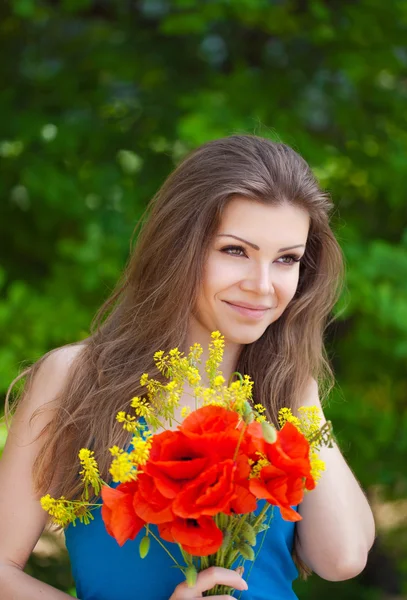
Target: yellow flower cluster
179	367
129	421
64	512
317	465
285	415
235	396
216	348
309	423
259	415
141	407
310	418
122	468
90	471
141	449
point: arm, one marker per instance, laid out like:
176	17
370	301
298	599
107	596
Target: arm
22	519
337	528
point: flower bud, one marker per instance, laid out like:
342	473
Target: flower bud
248	534
246	551
190	576
269	432
227	536
144	546
248	416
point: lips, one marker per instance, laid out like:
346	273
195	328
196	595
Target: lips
249	306
256	314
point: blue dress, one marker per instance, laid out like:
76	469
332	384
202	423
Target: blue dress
103	570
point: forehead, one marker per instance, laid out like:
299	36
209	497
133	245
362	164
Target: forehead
256	222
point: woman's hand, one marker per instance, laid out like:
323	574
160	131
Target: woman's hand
206	580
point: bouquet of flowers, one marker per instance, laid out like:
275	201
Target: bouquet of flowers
200	483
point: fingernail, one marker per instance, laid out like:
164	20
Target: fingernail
240	570
246	587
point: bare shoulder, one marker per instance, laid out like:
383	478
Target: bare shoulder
51	375
60	360
21	517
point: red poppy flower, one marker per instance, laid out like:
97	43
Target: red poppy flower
149	504
257	442
216	431
244	501
282	482
209	420
199	537
174	460
290	453
208	494
118	513
280	490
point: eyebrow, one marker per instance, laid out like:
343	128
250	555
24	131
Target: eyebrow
255	246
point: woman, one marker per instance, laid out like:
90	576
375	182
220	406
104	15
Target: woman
236	240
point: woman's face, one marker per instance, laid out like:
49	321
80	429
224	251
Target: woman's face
248	282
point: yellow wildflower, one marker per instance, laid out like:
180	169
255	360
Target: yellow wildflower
122	467
128	421
195	353
285	415
216	348
211	397
260	418
65	511
218	381
193	376
317	465
141	407
310	417
90	471
144	379
141	451
162	362
61	513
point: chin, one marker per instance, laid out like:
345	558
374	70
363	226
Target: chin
243	337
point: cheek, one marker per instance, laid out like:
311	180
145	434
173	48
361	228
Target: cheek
289	286
218	276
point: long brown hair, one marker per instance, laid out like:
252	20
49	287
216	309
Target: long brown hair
148	310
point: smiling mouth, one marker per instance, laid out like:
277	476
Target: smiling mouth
255	308
251	313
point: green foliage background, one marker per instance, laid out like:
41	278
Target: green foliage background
102	99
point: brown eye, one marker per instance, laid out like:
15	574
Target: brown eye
234	250
291	259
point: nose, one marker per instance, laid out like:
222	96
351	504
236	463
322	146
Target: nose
259	281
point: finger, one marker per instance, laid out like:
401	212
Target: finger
218	598
240	571
208	578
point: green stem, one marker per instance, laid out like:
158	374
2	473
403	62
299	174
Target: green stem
231	555
239	441
81	502
261	544
239	376
164	548
260	516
